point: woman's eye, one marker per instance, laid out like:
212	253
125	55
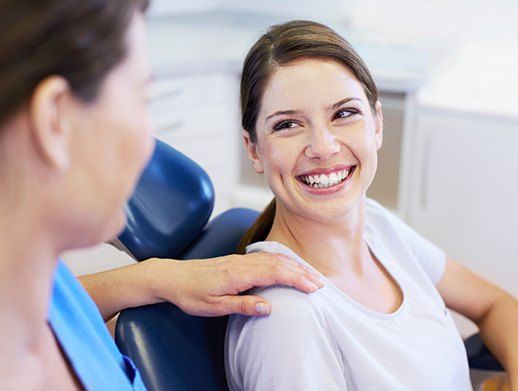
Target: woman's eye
345	113
285	125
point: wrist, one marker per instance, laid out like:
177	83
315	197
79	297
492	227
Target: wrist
159	279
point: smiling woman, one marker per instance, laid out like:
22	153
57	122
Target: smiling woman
278	53
313	127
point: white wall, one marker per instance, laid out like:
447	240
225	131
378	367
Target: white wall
434	20
405	20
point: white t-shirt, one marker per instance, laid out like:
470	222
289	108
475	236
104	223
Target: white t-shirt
328	341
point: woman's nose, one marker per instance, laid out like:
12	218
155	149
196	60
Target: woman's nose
323	144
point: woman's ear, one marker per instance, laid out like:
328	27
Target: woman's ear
253	154
49	127
378	130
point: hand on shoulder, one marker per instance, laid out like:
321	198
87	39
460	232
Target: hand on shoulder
213	287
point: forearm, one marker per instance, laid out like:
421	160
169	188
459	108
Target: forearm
499	330
125	287
209	287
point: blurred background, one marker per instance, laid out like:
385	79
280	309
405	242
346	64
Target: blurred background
447	71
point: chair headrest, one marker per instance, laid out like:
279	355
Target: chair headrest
170	206
222	234
170	348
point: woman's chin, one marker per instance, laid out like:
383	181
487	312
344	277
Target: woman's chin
119	224
332	207
108	230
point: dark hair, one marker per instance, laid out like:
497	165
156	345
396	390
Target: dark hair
281	45
80	40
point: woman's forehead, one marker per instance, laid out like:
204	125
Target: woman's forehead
310	82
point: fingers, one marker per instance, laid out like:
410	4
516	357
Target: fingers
273	269
245	305
297	278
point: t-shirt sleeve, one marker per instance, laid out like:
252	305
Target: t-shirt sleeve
291	349
431	258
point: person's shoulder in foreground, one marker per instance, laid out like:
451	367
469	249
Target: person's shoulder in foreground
84	338
293	345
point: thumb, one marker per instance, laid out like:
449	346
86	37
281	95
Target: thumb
248	305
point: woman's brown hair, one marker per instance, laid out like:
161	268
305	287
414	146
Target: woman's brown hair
281	45
80	40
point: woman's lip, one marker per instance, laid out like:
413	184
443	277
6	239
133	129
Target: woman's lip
326	171
327	190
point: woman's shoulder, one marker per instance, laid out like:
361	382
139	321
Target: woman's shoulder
293	313
294	340
289	304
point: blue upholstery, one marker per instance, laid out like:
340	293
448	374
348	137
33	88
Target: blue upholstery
478	355
174	350
170	206
166	218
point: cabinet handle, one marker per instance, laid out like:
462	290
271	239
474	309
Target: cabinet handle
425	171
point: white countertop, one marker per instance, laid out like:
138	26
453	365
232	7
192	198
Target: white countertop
205	41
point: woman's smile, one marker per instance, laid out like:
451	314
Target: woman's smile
326	181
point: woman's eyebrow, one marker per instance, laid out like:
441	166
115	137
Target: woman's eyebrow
284	112
290	112
339	103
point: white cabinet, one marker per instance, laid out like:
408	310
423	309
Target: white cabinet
464	190
197	113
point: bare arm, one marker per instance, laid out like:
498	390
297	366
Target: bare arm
208	287
494	311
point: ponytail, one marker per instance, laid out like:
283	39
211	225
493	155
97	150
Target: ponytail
259	230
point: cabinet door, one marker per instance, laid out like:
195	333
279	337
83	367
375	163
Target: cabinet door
464	194
198	115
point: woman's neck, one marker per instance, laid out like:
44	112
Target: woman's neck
26	276
330	247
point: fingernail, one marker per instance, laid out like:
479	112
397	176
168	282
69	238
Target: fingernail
312	286
320	283
262	308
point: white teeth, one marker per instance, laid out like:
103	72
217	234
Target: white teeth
323	181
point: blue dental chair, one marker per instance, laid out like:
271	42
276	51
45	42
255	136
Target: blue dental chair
167	217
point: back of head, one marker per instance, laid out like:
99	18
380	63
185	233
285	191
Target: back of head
282	45
80	40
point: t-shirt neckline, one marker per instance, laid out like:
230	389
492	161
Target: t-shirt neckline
283	249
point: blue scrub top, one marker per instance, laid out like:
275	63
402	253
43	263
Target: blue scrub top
83	336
